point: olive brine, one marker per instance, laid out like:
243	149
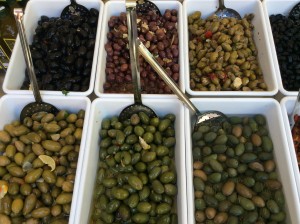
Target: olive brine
136	179
38	162
234	174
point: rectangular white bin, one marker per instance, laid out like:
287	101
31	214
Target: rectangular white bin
106	108
287	105
272	7
268	107
12	105
15	74
260	34
114	8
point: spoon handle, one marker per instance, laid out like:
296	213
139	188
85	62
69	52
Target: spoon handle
133	51
18	13
162	73
221	4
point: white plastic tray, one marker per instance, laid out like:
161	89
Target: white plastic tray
107	107
114	8
270	108
11	106
272	7
207	8
15	74
287	105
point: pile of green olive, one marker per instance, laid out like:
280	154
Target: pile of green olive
136	179
223	55
234	174
38	161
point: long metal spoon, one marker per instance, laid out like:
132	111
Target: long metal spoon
38	105
212	118
223	12
138	106
74	9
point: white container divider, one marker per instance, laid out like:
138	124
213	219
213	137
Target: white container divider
12	105
272	7
268	107
260	33
107	107
15	74
287	105
114	8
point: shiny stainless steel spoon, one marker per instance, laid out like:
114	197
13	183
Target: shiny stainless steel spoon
38	105
224	12
144	6
74	9
138	106
212	118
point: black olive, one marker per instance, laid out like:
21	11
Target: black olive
90	54
82	32
82	51
91	44
47	78
79	63
41	66
76	87
69	40
70	59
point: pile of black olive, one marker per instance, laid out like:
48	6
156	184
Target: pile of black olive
286	34
62	52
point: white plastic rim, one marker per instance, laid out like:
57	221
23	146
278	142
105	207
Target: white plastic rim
11	106
107	107
287	105
15	74
268	107
272	7
114	8
208	7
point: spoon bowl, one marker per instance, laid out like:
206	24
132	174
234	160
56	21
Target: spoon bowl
138	106
223	12
295	12
144	6
38	105
74	9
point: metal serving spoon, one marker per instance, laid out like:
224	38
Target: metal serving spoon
295	12
74	9
212	118
223	12
144	6
38	105
138	106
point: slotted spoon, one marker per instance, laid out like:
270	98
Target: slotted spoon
38	105
295	12
144	6
138	106
74	9
224	12
212	118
